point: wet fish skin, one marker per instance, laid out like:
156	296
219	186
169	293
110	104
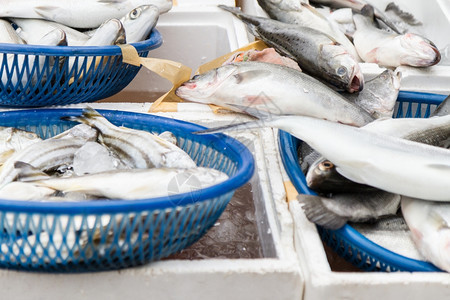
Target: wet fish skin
43	155
443	109
390	49
379	94
323	177
14	139
317	53
32	30
136	148
76	13
272	88
139	22
136	183
303	14
429	224
335	212
389	163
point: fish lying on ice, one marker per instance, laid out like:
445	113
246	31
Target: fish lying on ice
134	183
136	148
76	13
429	224
303	14
32	30
316	53
13	139
390	49
389	163
46	154
273	88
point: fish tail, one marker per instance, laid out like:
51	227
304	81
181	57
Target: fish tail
86	117
247	19
29	173
317	212
264	119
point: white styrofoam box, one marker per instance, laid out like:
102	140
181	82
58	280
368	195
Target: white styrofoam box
276	276
435	16
192	35
322	283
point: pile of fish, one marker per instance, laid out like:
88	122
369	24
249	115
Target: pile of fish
95	160
69	23
79	23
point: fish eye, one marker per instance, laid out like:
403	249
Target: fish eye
341	71
135	13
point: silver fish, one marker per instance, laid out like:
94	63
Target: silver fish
322	176
136	148
136	183
13	139
76	13
316	53
443	109
429	224
335	212
379	94
390	49
357	6
389	163
303	14
32	30
273	88
139	22
43	155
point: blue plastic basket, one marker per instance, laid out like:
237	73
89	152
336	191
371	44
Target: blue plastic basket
113	234
38	76
346	241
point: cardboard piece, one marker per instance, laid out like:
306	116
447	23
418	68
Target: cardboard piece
178	73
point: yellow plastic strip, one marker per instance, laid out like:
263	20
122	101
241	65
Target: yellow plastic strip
257	45
176	72
291	192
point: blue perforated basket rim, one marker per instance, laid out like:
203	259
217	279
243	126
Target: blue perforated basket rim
233	149
154	41
288	146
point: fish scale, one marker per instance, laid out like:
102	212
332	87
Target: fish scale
136	148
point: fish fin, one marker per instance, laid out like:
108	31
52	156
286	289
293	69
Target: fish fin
88	113
317	213
312	9
29	173
405	16
232	127
371	56
247	19
368	11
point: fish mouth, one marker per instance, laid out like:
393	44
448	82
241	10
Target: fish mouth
356	83
437	58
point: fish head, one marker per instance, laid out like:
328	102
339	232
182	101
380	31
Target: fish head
203	86
418	51
139	22
341	67
319	171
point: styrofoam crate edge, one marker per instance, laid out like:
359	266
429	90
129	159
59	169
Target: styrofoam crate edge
278	278
322	283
